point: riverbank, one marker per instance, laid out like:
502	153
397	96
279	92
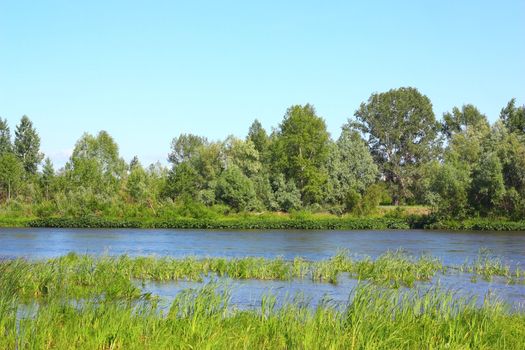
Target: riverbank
272	223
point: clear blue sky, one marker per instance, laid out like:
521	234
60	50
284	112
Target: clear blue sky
147	71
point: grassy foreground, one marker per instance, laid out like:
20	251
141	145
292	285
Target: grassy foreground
203	319
85	302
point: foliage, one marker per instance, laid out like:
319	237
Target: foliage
236	190
27	145
11	170
392	152
82	302
402	134
300	151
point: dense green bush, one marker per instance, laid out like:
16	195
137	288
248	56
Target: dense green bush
229	223
478	225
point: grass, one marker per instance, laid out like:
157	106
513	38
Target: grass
204	319
111	277
86	302
488	267
85	275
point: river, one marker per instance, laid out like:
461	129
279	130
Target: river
452	248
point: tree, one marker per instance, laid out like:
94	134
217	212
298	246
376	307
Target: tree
243	155
183	182
134	163
468	145
48	175
488	187
96	164
236	190
27	145
5	137
514	117
137	183
449	186
300	151
351	165
258	136
11	170
286	195
458	120
402	134
185	147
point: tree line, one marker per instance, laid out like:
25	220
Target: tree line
392	151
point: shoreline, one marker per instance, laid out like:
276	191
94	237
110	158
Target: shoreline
381	223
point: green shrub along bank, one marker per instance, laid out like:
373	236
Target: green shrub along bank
478	225
228	223
239	223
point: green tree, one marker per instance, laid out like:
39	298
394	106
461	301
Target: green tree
449	188
137	183
300	151
459	119
27	145
259	137
11	170
5	137
96	164
236	190
286	195
185	147
514	117
488	187
48	176
134	163
183	182
402	134
350	165
243	155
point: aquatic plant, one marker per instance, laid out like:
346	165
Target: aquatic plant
373	318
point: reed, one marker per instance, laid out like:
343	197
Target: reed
84	275
488	267
374	318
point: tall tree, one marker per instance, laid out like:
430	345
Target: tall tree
10	173
514	117
137	183
96	164
5	137
459	119
185	147
301	150
351	165
27	145
402	135
488	186
48	175
258	136
242	154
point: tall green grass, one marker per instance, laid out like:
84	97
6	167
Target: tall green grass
488	267
85	275
204	319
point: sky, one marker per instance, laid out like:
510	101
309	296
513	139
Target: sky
147	71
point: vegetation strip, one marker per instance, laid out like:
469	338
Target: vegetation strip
203	318
85	275
460	172
252	223
82	301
